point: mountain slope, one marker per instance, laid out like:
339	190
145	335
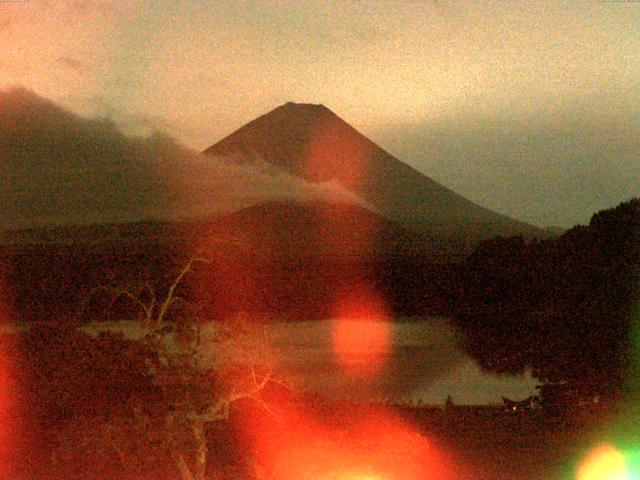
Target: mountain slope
280	230
57	168
312	142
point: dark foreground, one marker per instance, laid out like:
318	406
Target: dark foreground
347	442
462	442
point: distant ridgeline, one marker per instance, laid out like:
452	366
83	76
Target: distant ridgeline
55	274
299	207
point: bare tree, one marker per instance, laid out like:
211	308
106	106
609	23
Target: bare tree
199	368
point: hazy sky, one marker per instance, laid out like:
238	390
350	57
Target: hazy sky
529	108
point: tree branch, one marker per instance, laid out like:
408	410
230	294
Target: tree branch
169	298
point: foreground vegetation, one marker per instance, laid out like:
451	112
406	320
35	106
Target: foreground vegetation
106	406
565	308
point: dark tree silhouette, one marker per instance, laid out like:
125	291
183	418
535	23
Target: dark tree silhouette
145	405
199	371
562	307
69	382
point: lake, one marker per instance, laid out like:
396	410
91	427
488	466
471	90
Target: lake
409	360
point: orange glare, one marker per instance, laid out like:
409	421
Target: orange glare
361	337
350	444
357	476
336	152
603	463
8	410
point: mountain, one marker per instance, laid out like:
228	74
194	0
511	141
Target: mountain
313	143
295	259
282	259
60	169
555	231
296	211
281	230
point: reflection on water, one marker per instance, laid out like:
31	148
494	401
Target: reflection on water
425	364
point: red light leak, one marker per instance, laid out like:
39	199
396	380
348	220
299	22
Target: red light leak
345	444
8	407
361	336
298	445
294	441
337	152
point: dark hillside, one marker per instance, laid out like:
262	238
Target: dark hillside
277	260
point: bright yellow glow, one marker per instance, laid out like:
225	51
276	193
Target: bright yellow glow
603	463
357	476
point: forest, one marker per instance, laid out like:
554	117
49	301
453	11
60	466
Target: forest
96	405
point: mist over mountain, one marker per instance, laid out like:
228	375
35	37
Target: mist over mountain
61	169
58	168
311	142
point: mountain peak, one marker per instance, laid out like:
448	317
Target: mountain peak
283	135
312	142
304	108
303	105
292	112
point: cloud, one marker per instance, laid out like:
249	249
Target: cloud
60	168
204	185
131	123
